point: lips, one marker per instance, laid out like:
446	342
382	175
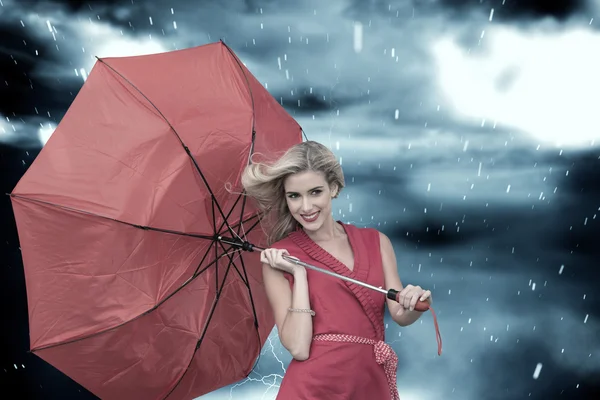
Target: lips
310	217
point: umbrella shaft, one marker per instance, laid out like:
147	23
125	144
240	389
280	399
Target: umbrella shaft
250	247
298	262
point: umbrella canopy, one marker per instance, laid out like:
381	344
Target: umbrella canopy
130	291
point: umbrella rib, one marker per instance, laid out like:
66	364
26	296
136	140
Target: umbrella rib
197	271
218	294
187	150
143	227
244	266
234	266
187	282
249	89
229	214
214	225
240	227
204	330
254	225
244	221
249	292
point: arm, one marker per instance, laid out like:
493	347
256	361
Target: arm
295	329
400	315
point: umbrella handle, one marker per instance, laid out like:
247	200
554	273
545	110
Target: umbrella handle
421	306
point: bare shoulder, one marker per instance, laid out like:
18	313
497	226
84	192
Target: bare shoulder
384	241
390	267
387	250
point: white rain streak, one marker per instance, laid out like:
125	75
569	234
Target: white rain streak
358	37
538	369
82	73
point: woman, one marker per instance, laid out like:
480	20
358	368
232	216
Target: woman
333	329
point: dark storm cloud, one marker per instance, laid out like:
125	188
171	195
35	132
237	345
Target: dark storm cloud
579	217
26	92
519	369
584	176
399	11
507	10
306	101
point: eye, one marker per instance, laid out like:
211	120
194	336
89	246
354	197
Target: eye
292	195
317	192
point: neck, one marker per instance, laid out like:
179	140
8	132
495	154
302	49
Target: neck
328	231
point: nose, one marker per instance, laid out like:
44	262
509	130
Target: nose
306	205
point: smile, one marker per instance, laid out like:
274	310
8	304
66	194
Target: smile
310	217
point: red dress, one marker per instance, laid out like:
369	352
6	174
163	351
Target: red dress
341	370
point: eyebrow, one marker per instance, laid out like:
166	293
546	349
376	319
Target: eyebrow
310	190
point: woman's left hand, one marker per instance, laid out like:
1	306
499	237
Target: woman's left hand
411	294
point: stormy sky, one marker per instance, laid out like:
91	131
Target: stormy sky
468	133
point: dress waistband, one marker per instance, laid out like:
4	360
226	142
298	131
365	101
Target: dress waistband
384	355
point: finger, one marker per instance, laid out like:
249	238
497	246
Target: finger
286	254
402	295
407	299
269	256
263	258
425	295
278	259
413	300
404	291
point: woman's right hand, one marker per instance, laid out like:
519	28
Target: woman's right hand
274	257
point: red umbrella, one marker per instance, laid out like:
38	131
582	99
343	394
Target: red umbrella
130	291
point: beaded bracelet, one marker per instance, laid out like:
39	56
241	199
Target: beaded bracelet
304	310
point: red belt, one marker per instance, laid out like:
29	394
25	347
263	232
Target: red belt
384	355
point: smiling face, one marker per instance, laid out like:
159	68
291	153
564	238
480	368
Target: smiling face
308	197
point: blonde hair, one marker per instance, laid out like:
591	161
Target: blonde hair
265	182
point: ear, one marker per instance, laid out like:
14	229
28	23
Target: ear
334	191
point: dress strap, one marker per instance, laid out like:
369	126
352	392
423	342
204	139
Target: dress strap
384	355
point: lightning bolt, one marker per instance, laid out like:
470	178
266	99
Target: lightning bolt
387	328
271	381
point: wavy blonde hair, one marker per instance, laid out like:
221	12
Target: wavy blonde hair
265	182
